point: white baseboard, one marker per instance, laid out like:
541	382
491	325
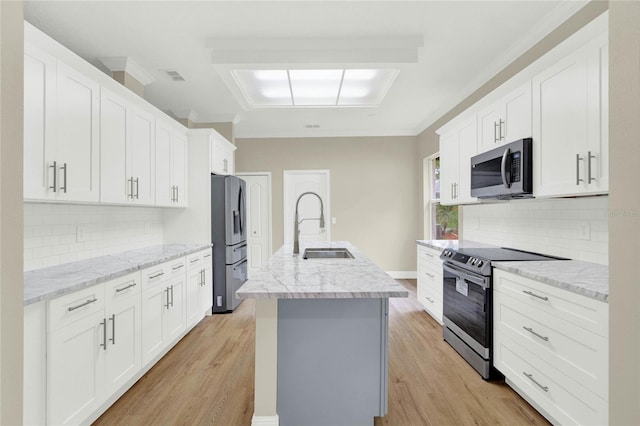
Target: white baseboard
265	420
403	275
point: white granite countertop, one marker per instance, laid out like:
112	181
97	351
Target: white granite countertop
587	279
291	277
452	244
54	281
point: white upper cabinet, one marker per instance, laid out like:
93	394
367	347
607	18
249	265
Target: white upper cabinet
222	155
170	166
507	120
457	146
114	139
569	124
61	153
39	133
140	157
77	147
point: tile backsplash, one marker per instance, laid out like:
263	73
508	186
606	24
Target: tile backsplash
61	233
576	228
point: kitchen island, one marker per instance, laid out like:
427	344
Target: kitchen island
321	338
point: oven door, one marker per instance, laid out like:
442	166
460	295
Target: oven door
467	307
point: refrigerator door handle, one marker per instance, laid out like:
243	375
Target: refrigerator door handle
241	209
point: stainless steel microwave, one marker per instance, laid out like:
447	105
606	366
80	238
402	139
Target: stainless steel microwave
503	173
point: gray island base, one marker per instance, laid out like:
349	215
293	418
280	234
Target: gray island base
321	339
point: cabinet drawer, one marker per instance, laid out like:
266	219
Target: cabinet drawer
123	287
563	399
164	271
429	255
431	280
69	308
434	267
585	312
194	261
578	353
430	301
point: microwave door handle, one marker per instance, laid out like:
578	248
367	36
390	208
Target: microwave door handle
503	169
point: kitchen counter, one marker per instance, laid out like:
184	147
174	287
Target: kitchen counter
452	244
587	279
54	281
291	277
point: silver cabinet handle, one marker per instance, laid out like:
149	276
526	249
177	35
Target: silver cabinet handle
64	169
530	377
88	302
166	290
194	260
104	334
54	166
495	132
113	329
530	293
118	290
159	274
501	124
428	255
589	178
429	299
175	268
177	194
130	182
578	160
226	165
171	287
207	255
137	188
430	275
530	330
173	194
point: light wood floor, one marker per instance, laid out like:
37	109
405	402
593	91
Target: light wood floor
207	378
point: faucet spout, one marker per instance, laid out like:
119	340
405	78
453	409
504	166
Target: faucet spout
296	230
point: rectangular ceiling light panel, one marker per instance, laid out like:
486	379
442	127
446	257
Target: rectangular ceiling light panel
309	88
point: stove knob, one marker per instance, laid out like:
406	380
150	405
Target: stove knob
480	263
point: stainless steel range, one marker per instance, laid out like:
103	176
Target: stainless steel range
468	301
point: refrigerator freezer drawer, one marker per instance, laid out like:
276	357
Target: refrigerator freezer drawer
236	253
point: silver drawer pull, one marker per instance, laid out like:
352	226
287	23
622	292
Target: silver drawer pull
427	254
175	268
429	299
193	260
88	302
207	255
530	377
535	295
430	275
159	274
530	330
118	290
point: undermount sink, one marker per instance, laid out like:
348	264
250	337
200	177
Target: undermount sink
327	253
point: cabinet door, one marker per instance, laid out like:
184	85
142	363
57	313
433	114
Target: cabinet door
39	133
560	123
516	123
77	144
489	121
193	294
154	303
598	145
164	193
217	157
449	164
179	167
75	370
467	147
141	159
206	298
175	315
123	341
115	184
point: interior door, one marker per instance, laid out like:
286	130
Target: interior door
297	182
258	196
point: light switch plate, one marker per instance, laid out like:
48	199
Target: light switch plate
333	220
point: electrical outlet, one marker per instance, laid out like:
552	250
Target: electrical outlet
333	220
585	230
81	234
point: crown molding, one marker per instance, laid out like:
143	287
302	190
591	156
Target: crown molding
125	63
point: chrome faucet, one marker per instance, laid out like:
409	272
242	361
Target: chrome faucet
296	231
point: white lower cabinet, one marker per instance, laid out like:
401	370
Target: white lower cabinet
552	347
430	281
82	348
199	292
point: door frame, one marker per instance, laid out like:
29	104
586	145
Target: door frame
269	203
326	203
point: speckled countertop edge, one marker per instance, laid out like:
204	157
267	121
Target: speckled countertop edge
585	278
55	281
290	277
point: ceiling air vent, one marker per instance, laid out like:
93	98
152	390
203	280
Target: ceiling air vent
174	75
312	126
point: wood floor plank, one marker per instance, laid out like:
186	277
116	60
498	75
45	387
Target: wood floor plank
207	378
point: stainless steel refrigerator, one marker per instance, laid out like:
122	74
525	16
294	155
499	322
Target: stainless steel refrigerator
229	237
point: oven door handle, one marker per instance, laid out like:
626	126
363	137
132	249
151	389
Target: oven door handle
466	276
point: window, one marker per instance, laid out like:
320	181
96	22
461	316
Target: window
441	221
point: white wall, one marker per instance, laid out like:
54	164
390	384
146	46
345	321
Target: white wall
50	231
555	227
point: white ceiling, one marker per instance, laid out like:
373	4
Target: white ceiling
464	44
